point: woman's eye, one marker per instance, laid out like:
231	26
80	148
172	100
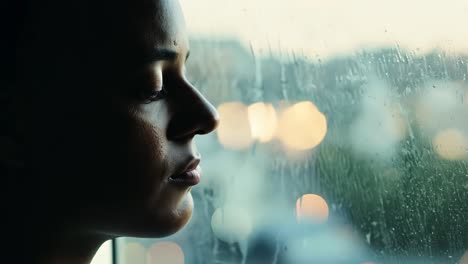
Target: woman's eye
153	95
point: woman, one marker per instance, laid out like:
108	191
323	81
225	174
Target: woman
101	126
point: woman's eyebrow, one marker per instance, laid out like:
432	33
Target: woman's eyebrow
166	54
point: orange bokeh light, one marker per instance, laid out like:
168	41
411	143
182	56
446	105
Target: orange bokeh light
302	126
165	253
234	130
312	208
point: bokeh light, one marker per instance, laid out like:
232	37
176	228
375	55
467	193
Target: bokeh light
311	208
302	126
231	224
440	106
134	253
263	121
234	130
323	246
380	123
451	144
464	258
165	253
397	125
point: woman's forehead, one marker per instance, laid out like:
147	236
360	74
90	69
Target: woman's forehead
162	21
159	24
130	31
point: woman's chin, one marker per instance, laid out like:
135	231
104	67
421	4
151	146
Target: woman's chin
167	221
179	216
161	218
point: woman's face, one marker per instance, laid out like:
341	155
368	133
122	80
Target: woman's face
133	132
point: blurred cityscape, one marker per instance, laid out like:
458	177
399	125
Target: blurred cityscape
353	159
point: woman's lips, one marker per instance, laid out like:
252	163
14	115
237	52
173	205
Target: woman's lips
187	178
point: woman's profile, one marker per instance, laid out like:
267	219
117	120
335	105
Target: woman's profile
100	121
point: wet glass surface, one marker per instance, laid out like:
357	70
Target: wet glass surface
356	157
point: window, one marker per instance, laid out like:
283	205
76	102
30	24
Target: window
343	135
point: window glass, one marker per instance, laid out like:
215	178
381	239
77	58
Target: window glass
343	134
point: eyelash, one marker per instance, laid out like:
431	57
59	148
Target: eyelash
153	95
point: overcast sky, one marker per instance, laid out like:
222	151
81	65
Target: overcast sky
324	27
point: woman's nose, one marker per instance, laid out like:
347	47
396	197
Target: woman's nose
192	114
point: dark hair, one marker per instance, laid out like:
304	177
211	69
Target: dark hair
13	21
15	194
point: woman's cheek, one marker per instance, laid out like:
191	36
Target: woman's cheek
147	157
168	207
168	203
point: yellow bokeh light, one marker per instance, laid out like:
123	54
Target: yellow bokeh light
451	144
165	253
311	208
134	253
302	126
263	121
231	224
234	130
